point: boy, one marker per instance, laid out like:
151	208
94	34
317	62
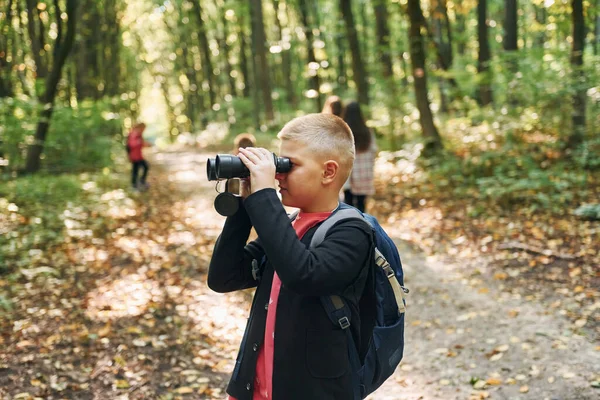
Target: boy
291	350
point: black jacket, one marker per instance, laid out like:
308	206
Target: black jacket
310	357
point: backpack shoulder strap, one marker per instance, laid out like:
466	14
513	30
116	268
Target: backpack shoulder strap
293	215
344	213
336	308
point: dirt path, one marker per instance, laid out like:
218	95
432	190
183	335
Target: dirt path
126	314
462	342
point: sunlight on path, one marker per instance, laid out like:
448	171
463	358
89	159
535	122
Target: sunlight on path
222	317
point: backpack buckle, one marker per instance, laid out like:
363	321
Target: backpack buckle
255	269
389	272
380	259
344	322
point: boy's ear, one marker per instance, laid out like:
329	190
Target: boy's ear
330	171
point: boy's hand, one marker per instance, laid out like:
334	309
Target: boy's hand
261	165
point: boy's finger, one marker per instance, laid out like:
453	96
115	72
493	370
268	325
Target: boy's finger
244	159
266	153
260	152
255	151
248	155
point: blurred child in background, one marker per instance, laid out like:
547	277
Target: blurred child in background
135	144
333	105
361	181
242	140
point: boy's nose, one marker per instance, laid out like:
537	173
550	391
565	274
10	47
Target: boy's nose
280	176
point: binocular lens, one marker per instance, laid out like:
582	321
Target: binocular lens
230	167
211	171
226	166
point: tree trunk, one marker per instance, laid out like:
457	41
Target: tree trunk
511	19
286	62
47	99
42	34
225	48
364	32
192	97
461	26
112	48
192	93
33	29
312	65
597	29
205	53
359	74
254	88
260	57
483	60
443	40
383	38
510	44
579	97
540	18
433	141
244	58
342	74
86	50
19	44
6	33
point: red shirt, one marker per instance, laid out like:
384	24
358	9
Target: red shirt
135	142
263	381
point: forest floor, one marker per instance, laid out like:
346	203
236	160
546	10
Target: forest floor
121	310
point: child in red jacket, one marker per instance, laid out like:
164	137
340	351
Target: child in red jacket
135	143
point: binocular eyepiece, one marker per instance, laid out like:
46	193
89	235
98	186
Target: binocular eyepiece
226	166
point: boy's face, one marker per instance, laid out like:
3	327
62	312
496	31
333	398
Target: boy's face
302	185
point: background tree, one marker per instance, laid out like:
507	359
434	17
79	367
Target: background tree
511	46
62	47
417	56
483	60
35	28
442	38
207	67
312	64
383	38
579	78
286	61
259	56
359	74
6	40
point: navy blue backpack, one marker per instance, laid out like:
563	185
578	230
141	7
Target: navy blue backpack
386	346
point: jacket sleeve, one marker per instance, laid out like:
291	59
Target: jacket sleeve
329	268
231	263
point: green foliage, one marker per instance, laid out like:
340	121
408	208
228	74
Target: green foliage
507	161
34	210
589	211
41	190
587	156
35	204
79	138
6	304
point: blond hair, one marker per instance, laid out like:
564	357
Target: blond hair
326	136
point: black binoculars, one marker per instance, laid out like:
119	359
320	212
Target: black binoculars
226	166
